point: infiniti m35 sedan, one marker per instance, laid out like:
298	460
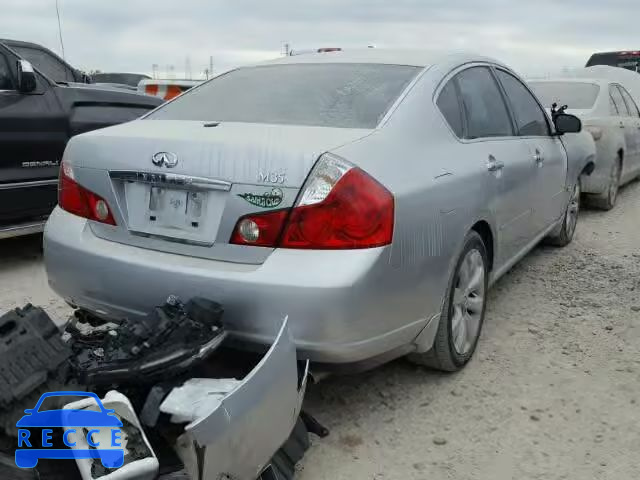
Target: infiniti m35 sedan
372	197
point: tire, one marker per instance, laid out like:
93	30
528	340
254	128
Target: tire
607	200
463	314
563	235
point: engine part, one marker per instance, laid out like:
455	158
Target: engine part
169	341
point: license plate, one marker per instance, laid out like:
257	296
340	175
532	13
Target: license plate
175	208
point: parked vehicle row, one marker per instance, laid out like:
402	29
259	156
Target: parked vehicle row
612	117
372	197
44	102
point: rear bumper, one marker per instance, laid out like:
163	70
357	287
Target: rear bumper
20	202
343	306
598	181
24	228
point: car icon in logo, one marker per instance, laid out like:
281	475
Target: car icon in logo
76	423
167	159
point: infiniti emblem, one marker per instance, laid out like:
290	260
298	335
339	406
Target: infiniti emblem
167	159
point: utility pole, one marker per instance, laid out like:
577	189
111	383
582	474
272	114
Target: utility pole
210	65
187	68
154	69
286	49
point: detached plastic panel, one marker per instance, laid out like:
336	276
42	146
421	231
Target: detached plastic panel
31	348
239	434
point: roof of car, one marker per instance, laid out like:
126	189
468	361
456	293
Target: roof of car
598	81
418	58
19	43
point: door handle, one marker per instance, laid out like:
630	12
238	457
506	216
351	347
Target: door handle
539	158
621	125
494	165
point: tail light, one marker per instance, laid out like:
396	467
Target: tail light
76	199
340	207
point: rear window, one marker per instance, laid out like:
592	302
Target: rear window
577	95
326	95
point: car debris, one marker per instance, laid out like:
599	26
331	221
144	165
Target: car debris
30	350
140	462
167	342
188	412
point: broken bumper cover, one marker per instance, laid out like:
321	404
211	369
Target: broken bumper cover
241	433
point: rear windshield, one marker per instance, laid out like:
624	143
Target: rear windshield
628	60
577	95
327	95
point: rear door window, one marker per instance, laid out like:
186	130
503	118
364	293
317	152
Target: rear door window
484	107
449	104
6	78
613	108
631	104
529	116
619	101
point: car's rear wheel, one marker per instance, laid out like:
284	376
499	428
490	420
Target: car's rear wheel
563	234
607	199
462	318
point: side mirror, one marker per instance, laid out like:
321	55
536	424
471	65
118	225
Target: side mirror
26	77
82	77
566	123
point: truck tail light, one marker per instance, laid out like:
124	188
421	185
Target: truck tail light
76	199
340	207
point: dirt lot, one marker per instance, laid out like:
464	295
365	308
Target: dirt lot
553	393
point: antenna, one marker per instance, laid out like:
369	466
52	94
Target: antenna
60	30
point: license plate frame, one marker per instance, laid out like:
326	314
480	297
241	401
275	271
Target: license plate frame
161	210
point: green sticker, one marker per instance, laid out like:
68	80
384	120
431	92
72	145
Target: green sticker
266	200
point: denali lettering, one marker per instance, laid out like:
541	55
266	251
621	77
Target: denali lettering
46	163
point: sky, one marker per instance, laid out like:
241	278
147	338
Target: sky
533	37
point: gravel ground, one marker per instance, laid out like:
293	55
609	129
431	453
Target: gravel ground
553	392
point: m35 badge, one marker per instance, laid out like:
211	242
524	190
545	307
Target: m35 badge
265	200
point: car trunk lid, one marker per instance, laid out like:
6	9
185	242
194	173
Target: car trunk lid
181	186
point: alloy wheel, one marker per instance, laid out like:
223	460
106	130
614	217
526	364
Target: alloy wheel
573	210
614	182
468	302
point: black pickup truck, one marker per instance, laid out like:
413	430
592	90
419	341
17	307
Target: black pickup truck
43	103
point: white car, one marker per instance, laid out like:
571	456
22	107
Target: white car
608	111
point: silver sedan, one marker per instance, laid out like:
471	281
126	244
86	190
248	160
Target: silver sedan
610	114
373	197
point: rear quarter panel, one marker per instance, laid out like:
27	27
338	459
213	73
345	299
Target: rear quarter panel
581	151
